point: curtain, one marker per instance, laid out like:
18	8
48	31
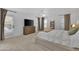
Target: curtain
38	23
42	23
3	13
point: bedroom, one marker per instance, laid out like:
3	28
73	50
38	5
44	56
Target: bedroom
54	26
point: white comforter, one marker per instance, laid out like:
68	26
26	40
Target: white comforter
61	37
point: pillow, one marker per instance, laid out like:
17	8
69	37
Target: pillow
73	31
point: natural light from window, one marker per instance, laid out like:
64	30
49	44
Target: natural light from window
45	23
9	25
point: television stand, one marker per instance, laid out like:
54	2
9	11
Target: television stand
28	30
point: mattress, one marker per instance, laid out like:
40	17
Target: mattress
57	36
61	37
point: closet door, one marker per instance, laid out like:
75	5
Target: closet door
3	13
67	21
0	25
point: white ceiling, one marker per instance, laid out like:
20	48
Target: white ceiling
27	10
36	11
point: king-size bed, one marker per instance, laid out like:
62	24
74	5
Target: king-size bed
60	37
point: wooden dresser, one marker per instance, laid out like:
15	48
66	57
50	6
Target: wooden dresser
28	30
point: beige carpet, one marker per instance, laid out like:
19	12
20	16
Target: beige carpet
22	43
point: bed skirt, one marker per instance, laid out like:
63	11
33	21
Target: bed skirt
52	46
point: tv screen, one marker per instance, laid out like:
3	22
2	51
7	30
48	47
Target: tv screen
28	22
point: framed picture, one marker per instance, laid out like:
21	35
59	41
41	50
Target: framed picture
52	24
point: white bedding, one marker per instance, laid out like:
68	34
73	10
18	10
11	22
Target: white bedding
75	40
61	37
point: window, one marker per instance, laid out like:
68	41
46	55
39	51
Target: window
45	23
9	25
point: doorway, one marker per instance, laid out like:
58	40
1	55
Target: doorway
67	22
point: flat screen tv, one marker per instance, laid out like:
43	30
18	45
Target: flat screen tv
28	22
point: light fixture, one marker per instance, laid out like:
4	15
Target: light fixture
73	25
43	13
